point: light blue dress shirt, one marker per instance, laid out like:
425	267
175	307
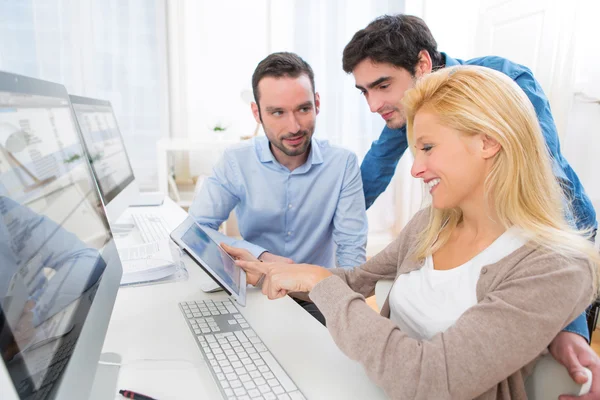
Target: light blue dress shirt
314	214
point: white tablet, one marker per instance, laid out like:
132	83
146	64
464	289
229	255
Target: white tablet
211	258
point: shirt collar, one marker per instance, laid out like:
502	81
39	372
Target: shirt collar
265	155
449	61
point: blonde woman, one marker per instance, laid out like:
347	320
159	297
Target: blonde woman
485	277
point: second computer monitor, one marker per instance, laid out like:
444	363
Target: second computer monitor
59	266
106	151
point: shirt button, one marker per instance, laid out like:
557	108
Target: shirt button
289	233
289	206
484	270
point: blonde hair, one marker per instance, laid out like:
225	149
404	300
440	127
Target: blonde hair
521	185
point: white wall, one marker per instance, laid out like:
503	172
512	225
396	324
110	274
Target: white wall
581	144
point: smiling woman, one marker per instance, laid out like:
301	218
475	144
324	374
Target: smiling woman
476	273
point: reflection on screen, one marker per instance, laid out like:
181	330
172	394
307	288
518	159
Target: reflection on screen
52	235
216	259
105	147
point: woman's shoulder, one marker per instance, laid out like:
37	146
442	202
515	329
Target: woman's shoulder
533	260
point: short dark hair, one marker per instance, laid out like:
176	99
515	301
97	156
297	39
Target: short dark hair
279	65
392	39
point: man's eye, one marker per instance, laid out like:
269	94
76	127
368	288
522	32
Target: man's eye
426	148
276	113
385	86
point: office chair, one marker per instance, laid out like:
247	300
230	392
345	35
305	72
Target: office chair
548	380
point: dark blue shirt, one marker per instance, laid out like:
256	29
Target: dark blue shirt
380	163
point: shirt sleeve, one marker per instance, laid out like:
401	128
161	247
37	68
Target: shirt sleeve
216	199
511	326
579	326
380	162
350	225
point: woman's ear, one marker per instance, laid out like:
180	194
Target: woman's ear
490	146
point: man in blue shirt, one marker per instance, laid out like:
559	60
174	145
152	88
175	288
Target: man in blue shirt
386	58
295	196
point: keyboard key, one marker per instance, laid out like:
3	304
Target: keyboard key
239	391
231	377
260	381
297	396
264	389
241	337
260	348
231	308
249	384
270	396
228	392
283	396
245	378
254	393
279	391
268	375
235	384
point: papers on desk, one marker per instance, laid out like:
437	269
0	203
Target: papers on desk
148	262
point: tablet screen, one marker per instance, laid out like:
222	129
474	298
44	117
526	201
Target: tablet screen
216	258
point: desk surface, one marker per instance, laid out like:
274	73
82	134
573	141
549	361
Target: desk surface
160	357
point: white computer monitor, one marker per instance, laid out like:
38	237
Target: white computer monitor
59	266
104	144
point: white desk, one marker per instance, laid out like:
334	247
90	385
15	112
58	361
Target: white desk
147	324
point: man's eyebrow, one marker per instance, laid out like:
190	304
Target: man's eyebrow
306	104
273	109
375	83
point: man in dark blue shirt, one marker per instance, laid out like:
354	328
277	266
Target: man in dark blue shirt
386	58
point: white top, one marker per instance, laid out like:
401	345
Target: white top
427	301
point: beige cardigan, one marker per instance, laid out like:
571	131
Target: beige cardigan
524	301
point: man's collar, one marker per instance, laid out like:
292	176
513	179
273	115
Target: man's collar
265	154
449	61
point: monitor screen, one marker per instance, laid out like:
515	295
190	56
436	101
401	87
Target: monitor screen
54	237
104	144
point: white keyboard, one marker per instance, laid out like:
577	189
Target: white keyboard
240	363
152	227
